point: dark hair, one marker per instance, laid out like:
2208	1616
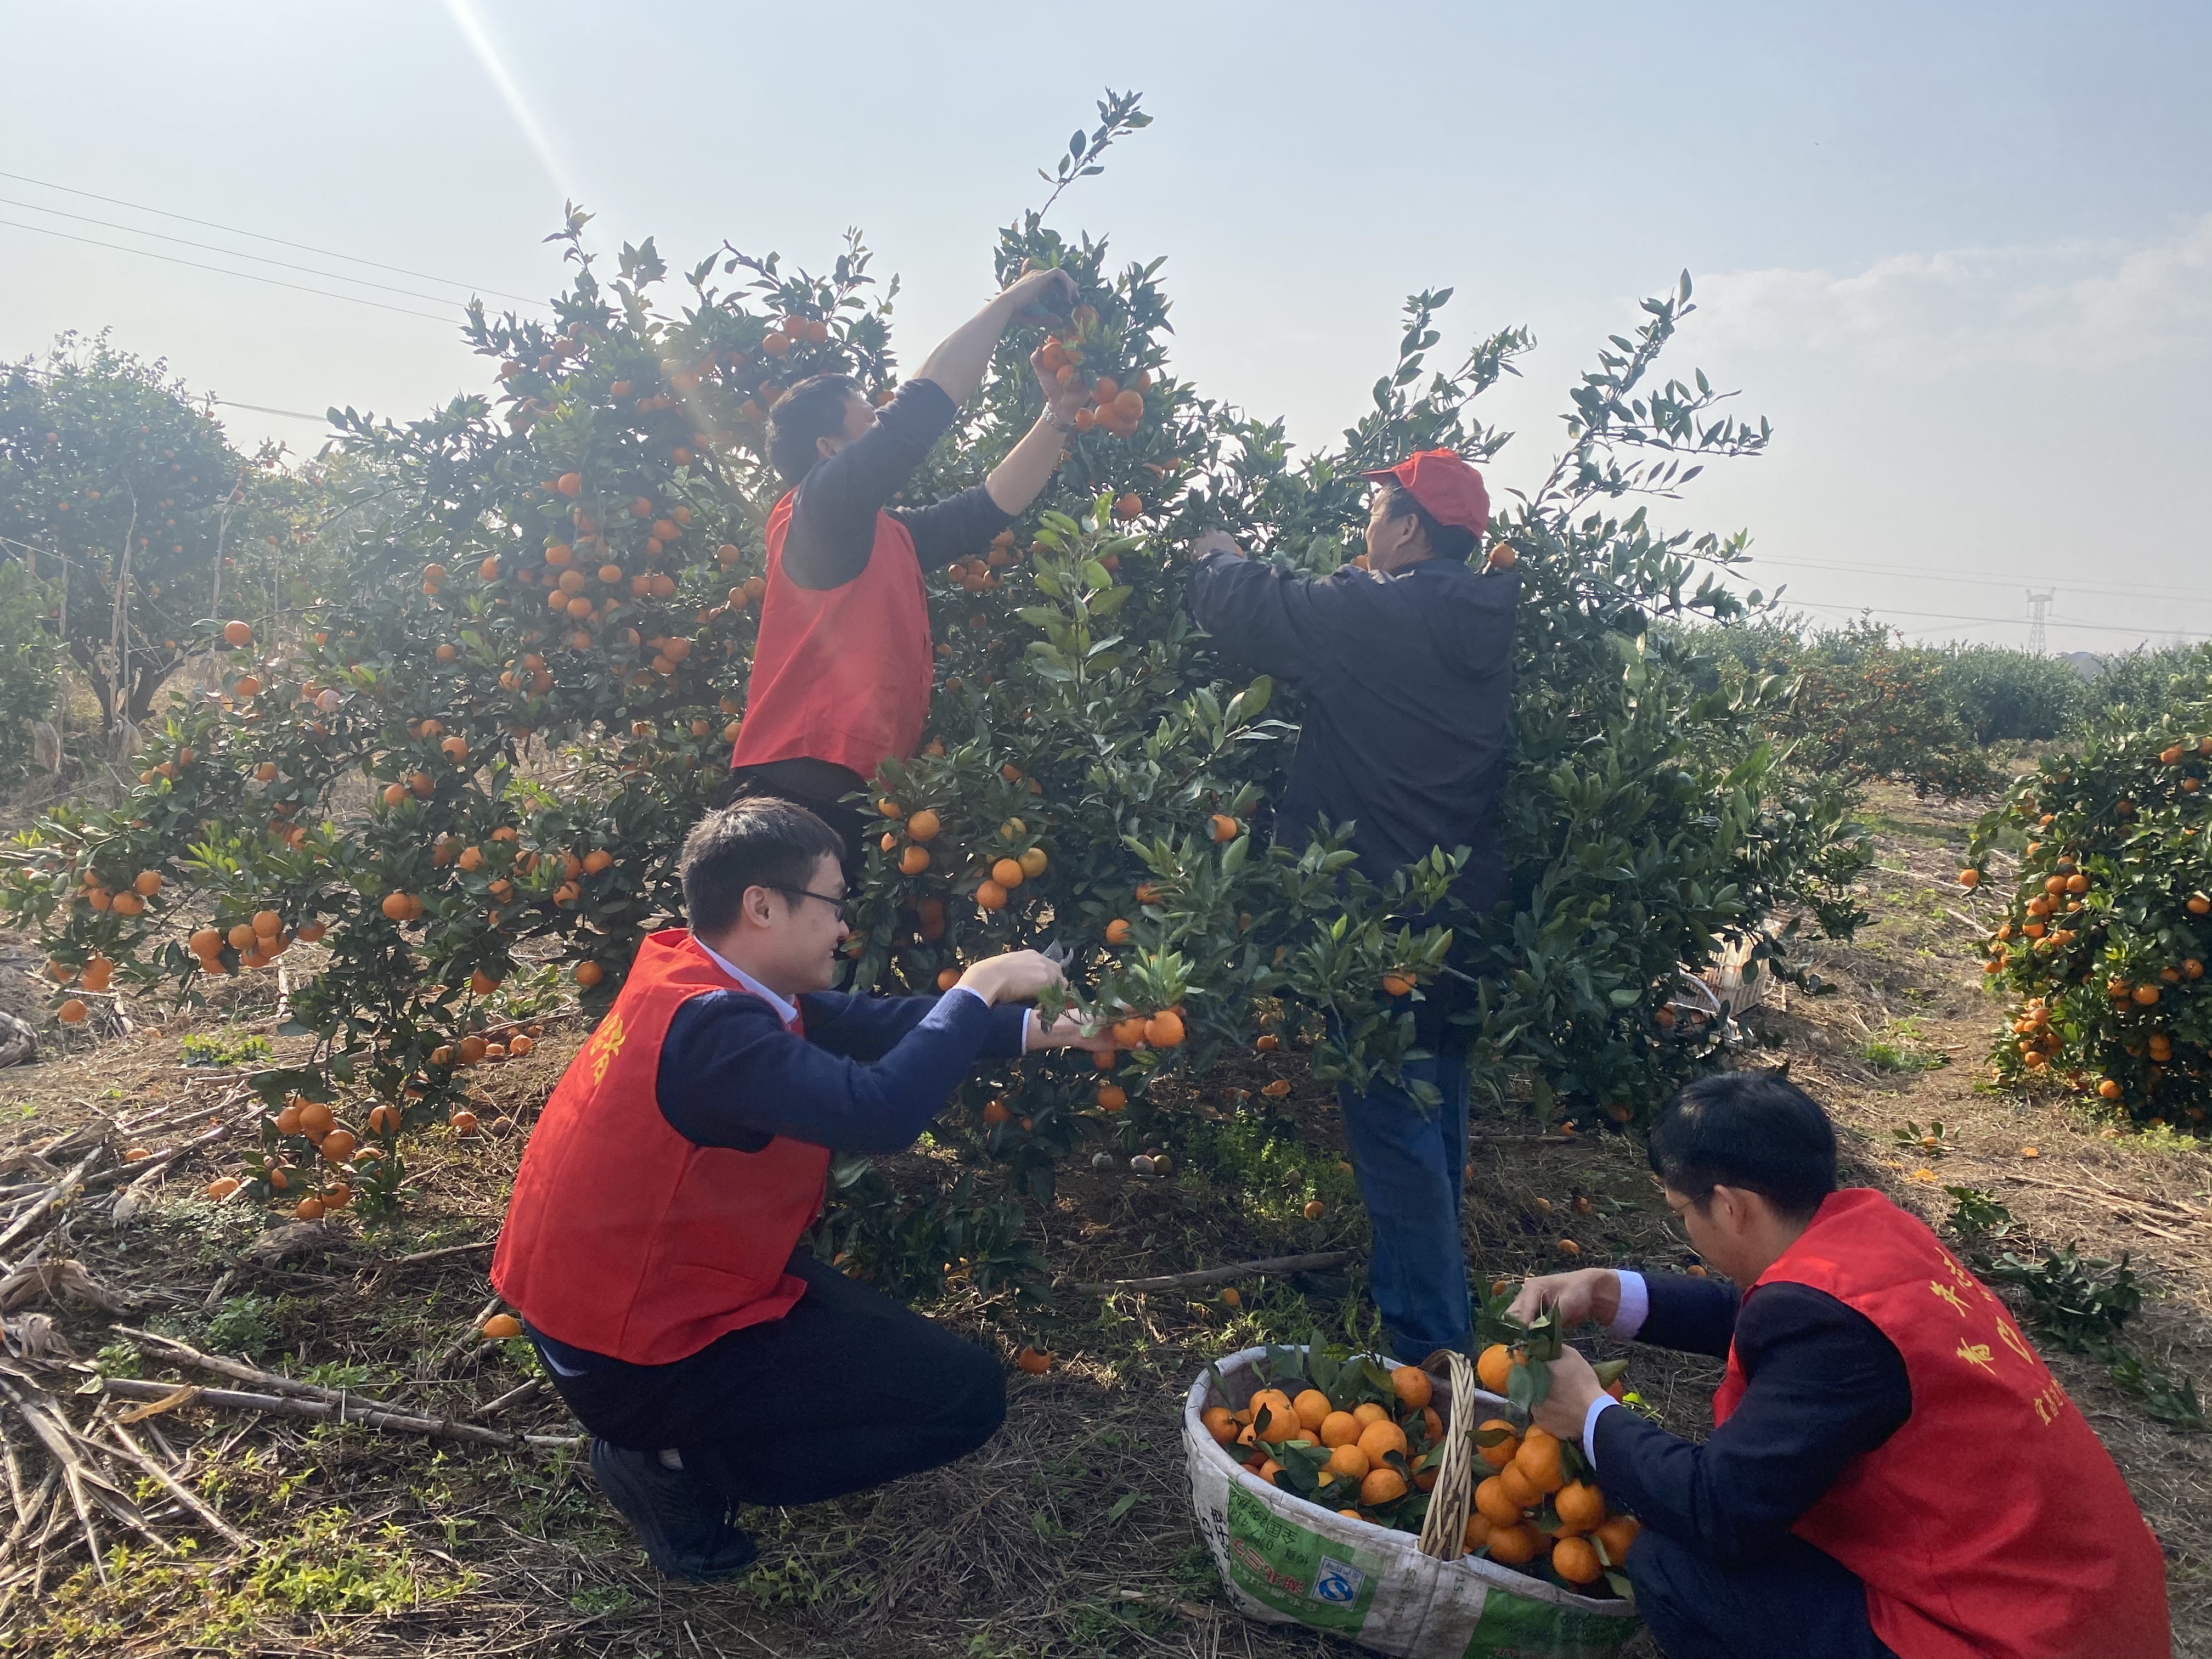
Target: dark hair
1753	1129
812	409
1446	541
758	843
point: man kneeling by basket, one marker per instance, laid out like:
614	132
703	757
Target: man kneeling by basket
654	1244
1893	1470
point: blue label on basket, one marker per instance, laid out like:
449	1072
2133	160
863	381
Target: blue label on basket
1295	1570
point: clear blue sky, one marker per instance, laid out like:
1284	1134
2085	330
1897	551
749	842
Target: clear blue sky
1961	255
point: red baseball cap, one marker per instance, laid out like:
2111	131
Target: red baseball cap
1444	484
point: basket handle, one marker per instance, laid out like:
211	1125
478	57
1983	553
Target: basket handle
1443	1531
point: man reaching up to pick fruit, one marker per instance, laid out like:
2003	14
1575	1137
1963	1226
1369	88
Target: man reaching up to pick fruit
1407	668
842	671
1892	1470
654	1245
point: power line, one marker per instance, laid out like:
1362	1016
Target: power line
256	235
2005	579
210	247
264	408
220	270
1949	616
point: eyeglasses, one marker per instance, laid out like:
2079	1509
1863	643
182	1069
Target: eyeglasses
837	903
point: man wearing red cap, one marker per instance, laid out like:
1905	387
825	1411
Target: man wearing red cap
1406	668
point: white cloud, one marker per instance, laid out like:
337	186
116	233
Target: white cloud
1954	309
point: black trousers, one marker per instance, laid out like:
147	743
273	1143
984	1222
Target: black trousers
1800	1602
820	786
846	1391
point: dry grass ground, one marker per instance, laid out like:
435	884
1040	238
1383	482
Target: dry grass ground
1070	1534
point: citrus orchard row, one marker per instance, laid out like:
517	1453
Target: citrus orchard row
2109	926
482	748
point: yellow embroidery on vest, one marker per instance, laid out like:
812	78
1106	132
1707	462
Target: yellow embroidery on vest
606	1043
1966	1280
1976	1353
2047	1404
1948	1295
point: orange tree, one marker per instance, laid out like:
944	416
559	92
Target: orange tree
483	751
122	492
2105	939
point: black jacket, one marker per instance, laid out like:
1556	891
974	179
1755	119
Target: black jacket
1408	683
1824	1387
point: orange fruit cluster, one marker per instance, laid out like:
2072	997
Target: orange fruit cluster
1530	1508
1114	407
1379	1451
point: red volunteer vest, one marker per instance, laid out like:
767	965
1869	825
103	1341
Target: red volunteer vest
624	1238
1993	1524
843	675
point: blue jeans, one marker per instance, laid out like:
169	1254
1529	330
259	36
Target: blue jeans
1409	1160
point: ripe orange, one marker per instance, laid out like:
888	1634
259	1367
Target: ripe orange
500	1328
1970	878
1383	1486
1580	1506
1112	1097
1411	1385
1278	1404
1314	1209
1495	1504
1477	1533
1117	932
1220	1423
1008	872
1312	1406
914	861
1367	1413
1574	1560
923	825
1340	1429
1616	1535
1164	1029
989	895
223	1187
338	1146
72	1013
463	1122
1499	1455
587	974
1224	828
1494	1369
1514	1547
1539	1460
308	1209
1378	1438
1034	1362
1349	1463
1517	1485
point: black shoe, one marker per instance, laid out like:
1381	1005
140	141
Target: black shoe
683	1522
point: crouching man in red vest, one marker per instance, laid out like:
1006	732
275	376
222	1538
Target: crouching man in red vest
653	1245
1892	1470
843	670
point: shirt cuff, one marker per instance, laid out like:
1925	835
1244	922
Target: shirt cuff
1589	1426
1635	1306
970	991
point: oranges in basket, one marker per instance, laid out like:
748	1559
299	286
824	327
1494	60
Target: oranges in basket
1352	1435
